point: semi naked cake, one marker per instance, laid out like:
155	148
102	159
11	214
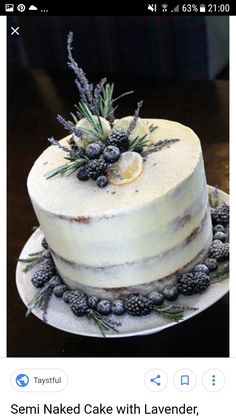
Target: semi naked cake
150	222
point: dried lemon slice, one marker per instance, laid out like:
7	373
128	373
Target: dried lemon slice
140	129
86	125
127	169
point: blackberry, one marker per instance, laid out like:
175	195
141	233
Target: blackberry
118	307
211	263
93	151
59	290
67	297
93	302
219	250
193	283
170	292
111	153
45	271
104	307
79	306
138	305
44	243
55	281
77	294
156	297
219	235
119	138
201	267
218	227
96	168
83	174
102	181
220	215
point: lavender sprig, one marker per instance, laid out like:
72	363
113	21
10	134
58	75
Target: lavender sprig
56	143
135	118
69	126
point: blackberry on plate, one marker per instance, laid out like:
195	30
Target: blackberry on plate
93	150
77	294
156	297
219	251
96	168
201	267
44	272
118	307
138	305
93	301
82	174
119	139
55	281
170	292
79	306
59	290
104	307
67	297
211	263
102	181
220	215
218	227
44	243
111	153
193	283
219	235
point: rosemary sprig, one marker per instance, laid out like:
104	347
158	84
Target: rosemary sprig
39	299
100	322
220	275
31	261
106	105
95	122
152	128
173	312
138	143
66	169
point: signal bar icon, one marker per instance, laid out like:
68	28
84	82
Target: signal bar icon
176	9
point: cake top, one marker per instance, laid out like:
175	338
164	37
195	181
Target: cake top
108	165
162	171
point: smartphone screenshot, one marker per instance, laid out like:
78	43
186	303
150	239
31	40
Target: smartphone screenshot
116	207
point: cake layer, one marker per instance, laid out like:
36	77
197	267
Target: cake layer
132	234
142	271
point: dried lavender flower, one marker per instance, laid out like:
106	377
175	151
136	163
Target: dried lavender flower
55	142
135	118
69	126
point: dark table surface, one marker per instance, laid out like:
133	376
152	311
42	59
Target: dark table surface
34	99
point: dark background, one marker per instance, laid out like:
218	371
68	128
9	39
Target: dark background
179	67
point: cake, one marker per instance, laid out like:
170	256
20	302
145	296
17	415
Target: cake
130	237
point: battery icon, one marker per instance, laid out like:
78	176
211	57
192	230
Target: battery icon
202	8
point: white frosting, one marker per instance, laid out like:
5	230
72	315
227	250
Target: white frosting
135	235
